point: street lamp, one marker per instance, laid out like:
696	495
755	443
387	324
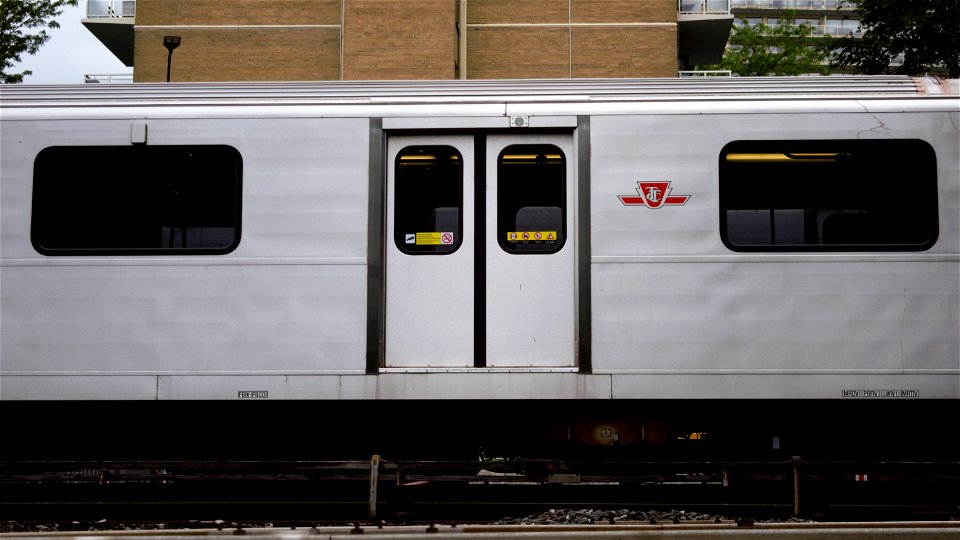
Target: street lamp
171	43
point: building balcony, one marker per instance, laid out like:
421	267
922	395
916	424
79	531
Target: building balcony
840	30
823	5
698	7
837	31
706	73
803	8
703	27
111	21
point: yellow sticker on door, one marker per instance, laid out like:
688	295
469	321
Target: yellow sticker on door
431	238
532	236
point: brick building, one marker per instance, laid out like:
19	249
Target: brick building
231	40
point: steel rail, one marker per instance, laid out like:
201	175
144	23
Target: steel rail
453	489
846	531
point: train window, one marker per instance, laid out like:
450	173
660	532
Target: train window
838	195
428	209
531	186
136	200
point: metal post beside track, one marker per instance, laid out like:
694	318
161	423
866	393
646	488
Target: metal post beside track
374	478
796	486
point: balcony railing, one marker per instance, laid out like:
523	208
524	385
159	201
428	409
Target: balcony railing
704	6
706	73
837	31
831	30
111	9
793	4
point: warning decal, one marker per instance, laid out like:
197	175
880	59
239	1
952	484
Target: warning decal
430	238
546	237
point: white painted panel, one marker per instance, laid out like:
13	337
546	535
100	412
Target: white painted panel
185	317
869	316
77	387
481	384
430	297
498	121
896	387
255	387
680	150
530	298
750	384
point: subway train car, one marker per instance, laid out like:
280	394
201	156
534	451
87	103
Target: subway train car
508	267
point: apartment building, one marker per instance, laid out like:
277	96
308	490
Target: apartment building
834	18
242	40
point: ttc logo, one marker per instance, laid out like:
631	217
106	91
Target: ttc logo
654	195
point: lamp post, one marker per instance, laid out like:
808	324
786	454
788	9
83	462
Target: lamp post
171	43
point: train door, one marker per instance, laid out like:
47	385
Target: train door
529	251
480	251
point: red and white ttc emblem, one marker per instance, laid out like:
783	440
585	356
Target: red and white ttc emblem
654	195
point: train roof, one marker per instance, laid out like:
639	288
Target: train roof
480	91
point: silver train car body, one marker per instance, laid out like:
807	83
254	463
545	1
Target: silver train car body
657	285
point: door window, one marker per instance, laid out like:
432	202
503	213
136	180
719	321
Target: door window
531	213
429	200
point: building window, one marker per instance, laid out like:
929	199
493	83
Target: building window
136	200
531	190
428	209
840	195
843	27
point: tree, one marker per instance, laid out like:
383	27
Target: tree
23	29
784	49
925	32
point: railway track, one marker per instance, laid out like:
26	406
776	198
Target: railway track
845	531
190	494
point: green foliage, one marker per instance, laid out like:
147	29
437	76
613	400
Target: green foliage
925	32
784	49
23	29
